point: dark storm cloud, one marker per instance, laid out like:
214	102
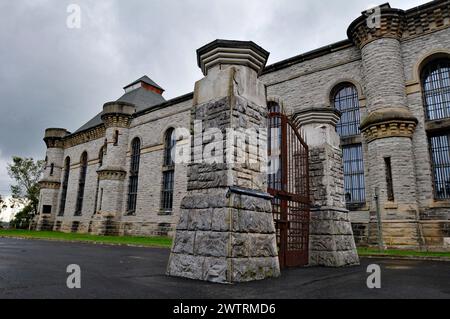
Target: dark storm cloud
53	76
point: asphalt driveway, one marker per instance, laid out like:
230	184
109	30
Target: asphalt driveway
37	269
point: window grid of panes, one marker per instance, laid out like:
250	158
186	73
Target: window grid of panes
346	101
166	205
81	183
436	89
134	175
440	153
354	182
167	191
65	184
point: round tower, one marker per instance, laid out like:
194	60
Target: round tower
389	126
51	181
117	117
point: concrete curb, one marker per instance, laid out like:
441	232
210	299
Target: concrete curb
416	258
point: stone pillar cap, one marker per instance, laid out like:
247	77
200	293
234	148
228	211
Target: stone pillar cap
232	52
56	132
325	115
119	108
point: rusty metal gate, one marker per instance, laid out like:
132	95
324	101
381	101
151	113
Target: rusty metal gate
288	183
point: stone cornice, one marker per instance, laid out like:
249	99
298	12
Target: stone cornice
53	137
388	122
85	136
391	26
324	115
111	174
399	24
118	114
232	52
47	184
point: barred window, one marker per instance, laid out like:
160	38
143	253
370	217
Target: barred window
134	175
436	89
169	149
65	184
168	173
345	100
354	183
81	184
440	155
274	135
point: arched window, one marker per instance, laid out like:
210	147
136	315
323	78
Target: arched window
436	99
65	184
436	89
168	173
81	184
345	99
134	175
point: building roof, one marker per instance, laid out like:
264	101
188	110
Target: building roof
140	97
146	80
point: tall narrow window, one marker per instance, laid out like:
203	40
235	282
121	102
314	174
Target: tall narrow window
134	175
389	181
168	173
81	184
116	138
100	163
274	147
436	89
353	174
345	99
440	155
436	99
65	184
52	169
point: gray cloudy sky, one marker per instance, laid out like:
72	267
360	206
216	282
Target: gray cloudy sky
53	76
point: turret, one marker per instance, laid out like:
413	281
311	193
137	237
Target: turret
51	181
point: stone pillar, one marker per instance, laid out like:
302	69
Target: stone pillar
50	183
331	236
388	128
112	174
226	232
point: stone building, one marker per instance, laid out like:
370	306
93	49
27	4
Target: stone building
374	110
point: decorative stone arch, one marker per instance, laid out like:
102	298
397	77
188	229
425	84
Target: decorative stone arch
331	89
162	137
130	143
279	101
426	58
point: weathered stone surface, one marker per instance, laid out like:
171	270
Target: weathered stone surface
187	266
253	222
184	242
249	269
211	244
215	270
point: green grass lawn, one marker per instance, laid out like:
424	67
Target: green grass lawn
163	242
401	253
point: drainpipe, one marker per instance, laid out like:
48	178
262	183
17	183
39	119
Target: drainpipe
379	224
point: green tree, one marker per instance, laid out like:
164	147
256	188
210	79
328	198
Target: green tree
23	218
26	173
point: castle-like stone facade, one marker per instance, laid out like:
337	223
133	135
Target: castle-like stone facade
387	92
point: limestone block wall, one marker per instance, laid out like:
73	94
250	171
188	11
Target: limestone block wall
88	209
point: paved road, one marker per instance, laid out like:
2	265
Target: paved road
37	269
